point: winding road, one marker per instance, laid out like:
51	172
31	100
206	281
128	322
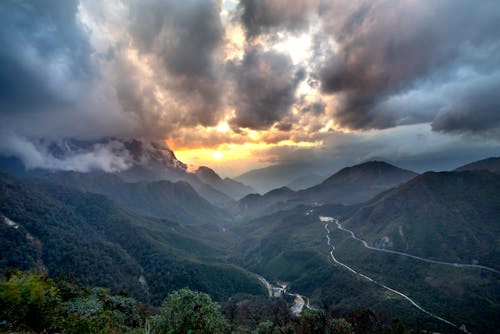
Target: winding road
365	244
327	220
299	301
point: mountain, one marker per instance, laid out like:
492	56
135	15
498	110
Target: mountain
305	181
64	231
272	177
447	216
131	159
154	162
176	201
489	164
255	205
351	185
227	186
357	184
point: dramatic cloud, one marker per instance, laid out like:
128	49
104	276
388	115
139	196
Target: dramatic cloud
109	156
266	82
183	40
45	55
475	110
262	77
261	16
381	50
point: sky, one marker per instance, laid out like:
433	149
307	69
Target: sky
237	85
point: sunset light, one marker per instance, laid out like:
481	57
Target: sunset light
265	157
218	155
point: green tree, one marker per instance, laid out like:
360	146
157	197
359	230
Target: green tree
265	327
186	311
312	321
340	326
31	300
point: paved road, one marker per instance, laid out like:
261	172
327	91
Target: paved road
412	302
365	244
299	301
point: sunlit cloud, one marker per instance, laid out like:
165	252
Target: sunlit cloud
251	80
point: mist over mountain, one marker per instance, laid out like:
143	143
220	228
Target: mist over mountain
269	178
138	222
249	166
132	160
305	181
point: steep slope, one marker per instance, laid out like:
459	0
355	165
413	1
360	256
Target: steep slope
162	199
291	246
66	231
489	164
448	216
227	186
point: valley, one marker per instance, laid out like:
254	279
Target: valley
327	220
249	167
152	237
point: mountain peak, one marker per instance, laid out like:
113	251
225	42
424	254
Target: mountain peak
279	191
369	169
152	154
207	175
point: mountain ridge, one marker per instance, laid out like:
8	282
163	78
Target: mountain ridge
491	164
350	185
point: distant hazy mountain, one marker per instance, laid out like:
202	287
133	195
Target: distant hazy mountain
255	205
350	185
64	231
305	181
449	216
357	184
227	186
489	164
176	201
269	178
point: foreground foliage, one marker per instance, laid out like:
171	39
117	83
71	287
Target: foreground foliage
34	303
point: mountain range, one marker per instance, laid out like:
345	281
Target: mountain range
63	231
350	185
157	226
177	201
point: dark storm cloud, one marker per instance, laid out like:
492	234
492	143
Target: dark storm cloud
44	54
261	16
477	110
184	37
265	85
184	34
385	50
